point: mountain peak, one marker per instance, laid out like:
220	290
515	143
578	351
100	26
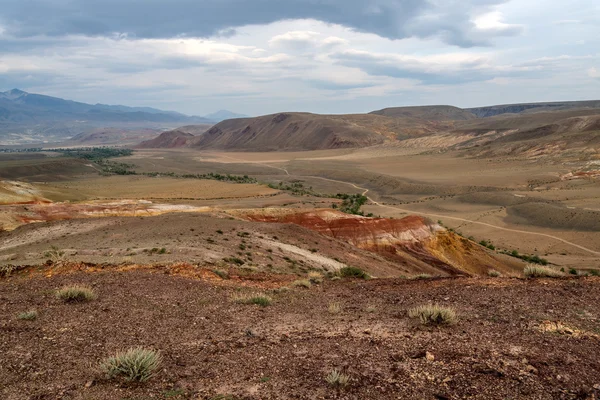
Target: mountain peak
13	94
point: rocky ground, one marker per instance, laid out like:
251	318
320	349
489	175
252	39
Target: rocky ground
515	338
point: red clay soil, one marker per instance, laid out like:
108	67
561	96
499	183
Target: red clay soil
212	346
412	238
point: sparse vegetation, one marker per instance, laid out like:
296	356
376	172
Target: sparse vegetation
55	254
254	298
421	276
433	314
305	283
353	272
494	274
6	270
135	364
536	271
221	273
315	277
76	293
337	379
334	308
28	315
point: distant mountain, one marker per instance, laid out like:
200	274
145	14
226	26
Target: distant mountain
23	113
222	115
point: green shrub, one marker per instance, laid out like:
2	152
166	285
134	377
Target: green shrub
573	271
75	293
135	364
433	314
28	315
494	273
421	276
353	272
536	271
221	274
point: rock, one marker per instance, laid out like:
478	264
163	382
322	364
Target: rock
429	356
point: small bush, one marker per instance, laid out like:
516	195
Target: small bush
337	379
75	293
536	271
6	270
305	283
573	271
353	272
433	314
315	277
594	272
494	273
257	298
135	364
28	315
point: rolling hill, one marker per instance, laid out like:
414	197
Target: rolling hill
431	113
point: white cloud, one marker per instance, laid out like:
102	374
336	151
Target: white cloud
593	73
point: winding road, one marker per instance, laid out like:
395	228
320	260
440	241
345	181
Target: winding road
374	202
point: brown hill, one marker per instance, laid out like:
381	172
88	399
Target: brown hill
109	136
287	131
430	113
167	140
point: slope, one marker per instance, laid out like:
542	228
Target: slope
431	113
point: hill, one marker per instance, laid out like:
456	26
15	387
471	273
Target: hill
222	115
491	111
22	112
113	136
431	113
167	140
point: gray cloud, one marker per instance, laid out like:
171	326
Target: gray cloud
395	19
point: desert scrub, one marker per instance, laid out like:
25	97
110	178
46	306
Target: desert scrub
6	270
337	379
221	273
433	314
135	364
494	274
28	315
253	298
353	272
536	271
75	293
315	277
305	283
55	254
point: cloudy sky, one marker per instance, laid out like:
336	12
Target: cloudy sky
327	56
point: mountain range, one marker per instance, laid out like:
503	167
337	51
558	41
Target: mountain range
47	116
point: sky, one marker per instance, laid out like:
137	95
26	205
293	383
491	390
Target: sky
325	56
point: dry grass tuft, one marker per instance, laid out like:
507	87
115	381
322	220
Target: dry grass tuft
305	283
421	276
253	298
337	379
334	308
75	293
135	364
494	274
315	277
434	314
537	271
28	315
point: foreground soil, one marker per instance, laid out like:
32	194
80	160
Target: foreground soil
515	339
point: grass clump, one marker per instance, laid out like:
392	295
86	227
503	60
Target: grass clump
6	270
334	308
259	299
315	277
28	315
221	273
353	272
305	283
135	364
421	276
337	379
433	314
75	293
536	271
494	274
